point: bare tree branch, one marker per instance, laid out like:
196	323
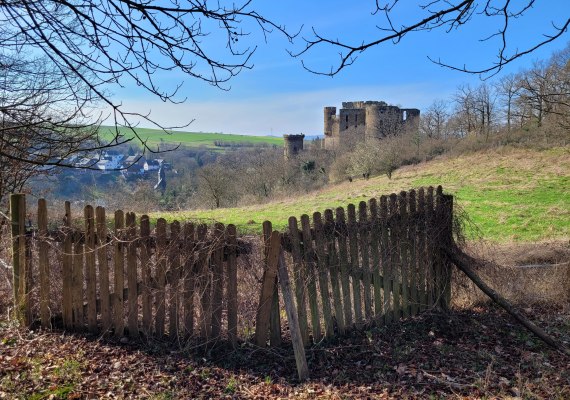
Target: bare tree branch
446	15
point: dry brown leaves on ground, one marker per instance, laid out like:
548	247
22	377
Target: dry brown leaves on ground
463	354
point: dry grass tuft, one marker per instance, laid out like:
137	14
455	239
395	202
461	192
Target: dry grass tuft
524	273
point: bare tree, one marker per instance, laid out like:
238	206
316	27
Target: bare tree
465	110
439	15
508	88
558	97
536	88
216	186
485	107
40	124
433	123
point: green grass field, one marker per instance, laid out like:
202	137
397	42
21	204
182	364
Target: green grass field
507	195
156	137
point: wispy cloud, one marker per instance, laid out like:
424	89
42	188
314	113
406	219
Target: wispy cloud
297	112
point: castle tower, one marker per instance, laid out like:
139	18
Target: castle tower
293	144
383	121
330	113
373	121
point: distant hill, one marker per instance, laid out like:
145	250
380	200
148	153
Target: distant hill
214	141
313	137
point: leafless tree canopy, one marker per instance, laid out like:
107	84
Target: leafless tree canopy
59	59
442	15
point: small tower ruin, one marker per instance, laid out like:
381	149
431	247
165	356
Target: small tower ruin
293	144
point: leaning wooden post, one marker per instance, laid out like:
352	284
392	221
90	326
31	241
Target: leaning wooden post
468	265
18	215
296	338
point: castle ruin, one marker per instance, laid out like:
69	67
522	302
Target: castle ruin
293	144
366	120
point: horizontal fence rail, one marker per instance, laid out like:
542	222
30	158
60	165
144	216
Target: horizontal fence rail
116	274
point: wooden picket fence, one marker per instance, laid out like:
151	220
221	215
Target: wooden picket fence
373	264
128	279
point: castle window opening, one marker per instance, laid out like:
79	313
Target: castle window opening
404	115
355	121
346	122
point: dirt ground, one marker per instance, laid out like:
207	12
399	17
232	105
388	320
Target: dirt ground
474	351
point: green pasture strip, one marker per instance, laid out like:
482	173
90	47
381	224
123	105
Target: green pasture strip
519	195
190	139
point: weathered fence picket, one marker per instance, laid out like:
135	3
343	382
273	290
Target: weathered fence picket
375	256
104	294
300	278
344	266
412	240
91	274
333	263
146	274
385	257
310	267
67	268
132	279
43	260
323	274
119	281
189	278
404	253
354	263
231	240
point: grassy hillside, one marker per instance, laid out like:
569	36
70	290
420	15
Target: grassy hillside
509	195
191	139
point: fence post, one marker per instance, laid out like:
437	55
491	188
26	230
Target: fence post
275	321
20	289
264	310
446	218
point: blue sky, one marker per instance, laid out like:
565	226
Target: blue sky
278	96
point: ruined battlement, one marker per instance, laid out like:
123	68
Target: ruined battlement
366	120
293	145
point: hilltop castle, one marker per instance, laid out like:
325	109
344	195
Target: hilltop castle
366	120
